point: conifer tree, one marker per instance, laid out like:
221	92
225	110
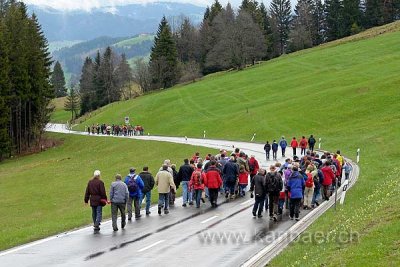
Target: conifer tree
72	103
58	80
163	58
86	88
281	16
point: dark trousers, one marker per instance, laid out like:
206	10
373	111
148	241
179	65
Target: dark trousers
325	191
258	204
274	154
114	214
273	203
294	151
136	204
283	151
303	151
295	207
267	154
311	147
213	192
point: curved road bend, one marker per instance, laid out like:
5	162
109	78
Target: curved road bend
225	236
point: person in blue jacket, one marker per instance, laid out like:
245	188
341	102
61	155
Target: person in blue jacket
296	186
274	147
283	145
134	196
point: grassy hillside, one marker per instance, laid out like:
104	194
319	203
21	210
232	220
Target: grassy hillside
346	92
59	115
135	40
43	193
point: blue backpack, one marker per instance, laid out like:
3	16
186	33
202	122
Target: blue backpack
132	185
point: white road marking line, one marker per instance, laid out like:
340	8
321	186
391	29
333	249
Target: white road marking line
152	245
209	219
245	202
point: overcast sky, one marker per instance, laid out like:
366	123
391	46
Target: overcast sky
89	4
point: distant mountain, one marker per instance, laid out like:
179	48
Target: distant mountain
71	58
117	21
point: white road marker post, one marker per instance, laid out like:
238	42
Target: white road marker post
345	186
254	136
358	155
319	143
186	138
204	134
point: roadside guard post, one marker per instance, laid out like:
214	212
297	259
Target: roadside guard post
204	134
254	136
358	155
319	143
345	186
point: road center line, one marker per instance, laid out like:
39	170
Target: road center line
245	202
209	219
152	245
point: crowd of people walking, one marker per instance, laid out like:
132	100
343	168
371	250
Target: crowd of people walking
300	182
114	129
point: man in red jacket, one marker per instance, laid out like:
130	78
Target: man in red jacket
213	182
329	178
294	144
303	145
96	192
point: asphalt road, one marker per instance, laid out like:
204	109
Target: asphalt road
225	236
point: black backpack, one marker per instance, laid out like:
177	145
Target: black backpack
276	183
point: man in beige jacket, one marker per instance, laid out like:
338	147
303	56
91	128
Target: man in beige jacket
164	181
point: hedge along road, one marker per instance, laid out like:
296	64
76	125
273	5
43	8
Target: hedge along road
225	236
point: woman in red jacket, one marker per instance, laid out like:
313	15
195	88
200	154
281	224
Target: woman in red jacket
294	144
213	182
196	184
303	145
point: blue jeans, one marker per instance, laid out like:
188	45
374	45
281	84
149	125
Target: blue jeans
186	193
148	200
317	193
258	204
281	202
163	200
197	196
97	212
242	189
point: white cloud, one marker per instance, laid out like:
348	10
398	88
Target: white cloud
90	4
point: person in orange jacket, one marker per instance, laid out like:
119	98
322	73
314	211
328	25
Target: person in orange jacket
303	145
294	144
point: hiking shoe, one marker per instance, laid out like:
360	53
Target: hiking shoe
138	217
260	215
166	211
123	225
203	200
275	218
254	214
130	219
159	210
184	205
226	195
191	203
115	229
148	212
297	219
291	218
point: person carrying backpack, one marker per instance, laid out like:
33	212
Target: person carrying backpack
303	145
295	186
253	166
274	147
230	173
283	145
274	185
196	184
135	186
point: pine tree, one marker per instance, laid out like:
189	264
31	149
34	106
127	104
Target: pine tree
281	16
373	13
58	80
72	103
334	20
351	16
267	31
86	87
99	95
5	87
109	77
163	58
318	35
124	76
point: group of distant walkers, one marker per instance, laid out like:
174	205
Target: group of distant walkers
115	129
294	144
299	181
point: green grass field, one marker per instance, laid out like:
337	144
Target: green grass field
135	40
60	115
346	92
43	193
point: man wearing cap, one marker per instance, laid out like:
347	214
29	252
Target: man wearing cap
96	193
119	196
134	196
